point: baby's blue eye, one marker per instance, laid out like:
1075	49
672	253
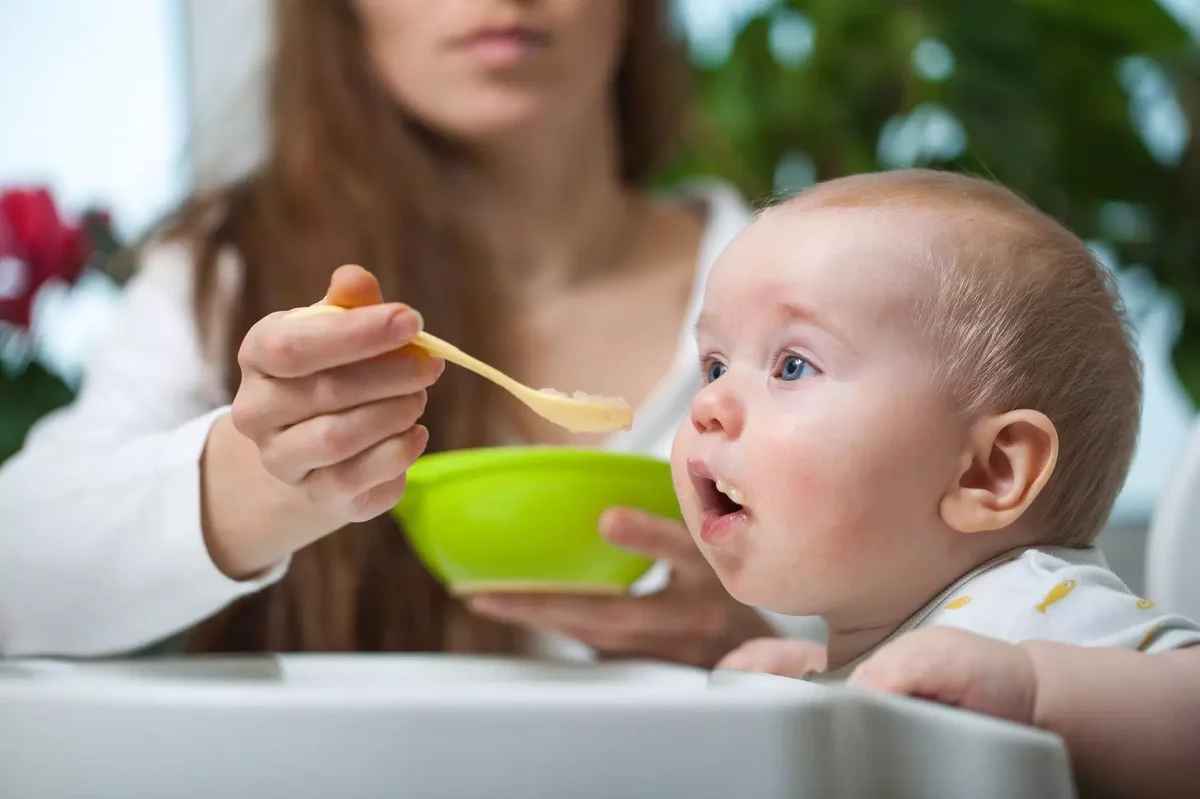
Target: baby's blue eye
793	367
713	370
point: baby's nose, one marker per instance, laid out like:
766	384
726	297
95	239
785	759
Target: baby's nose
717	410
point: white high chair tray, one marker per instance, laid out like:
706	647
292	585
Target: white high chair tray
441	726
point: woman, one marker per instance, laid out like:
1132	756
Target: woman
488	162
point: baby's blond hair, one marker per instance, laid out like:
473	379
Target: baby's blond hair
1021	315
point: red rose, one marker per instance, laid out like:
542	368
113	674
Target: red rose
36	246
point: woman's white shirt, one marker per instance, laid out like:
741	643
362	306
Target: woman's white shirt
101	549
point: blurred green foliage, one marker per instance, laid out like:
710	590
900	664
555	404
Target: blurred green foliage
25	398
1085	107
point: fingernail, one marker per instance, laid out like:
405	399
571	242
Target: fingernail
615	536
610	519
616	522
624	543
403	322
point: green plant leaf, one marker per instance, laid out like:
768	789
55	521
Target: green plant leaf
24	399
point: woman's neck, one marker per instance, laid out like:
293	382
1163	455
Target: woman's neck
551	204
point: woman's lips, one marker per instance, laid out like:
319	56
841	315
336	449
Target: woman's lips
504	47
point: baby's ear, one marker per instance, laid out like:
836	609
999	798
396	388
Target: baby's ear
1008	461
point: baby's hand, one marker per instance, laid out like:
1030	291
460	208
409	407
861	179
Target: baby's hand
956	668
787	657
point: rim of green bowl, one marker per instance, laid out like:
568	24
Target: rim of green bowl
461	462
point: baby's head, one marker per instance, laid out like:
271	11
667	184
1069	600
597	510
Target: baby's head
906	373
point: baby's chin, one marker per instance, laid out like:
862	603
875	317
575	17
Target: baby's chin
745	587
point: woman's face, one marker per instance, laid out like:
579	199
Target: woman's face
470	69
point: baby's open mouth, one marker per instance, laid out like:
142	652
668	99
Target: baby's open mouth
723	512
719	497
723	507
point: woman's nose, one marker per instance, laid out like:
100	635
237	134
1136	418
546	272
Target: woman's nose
717	409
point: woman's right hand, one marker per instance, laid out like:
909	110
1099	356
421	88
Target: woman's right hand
332	401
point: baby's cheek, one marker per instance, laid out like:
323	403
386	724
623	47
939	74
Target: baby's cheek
833	514
817	486
679	447
680	478
813	509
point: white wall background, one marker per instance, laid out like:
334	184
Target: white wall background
93	105
228	42
92	102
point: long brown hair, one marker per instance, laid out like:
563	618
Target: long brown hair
350	178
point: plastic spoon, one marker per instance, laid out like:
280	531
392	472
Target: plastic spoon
579	413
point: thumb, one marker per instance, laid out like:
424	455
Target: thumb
653	536
351	286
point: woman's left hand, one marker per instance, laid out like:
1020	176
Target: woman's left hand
693	620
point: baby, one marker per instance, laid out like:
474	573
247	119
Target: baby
921	401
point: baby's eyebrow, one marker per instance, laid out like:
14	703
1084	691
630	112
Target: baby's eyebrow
790	310
785	310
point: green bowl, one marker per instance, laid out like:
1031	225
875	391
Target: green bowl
526	518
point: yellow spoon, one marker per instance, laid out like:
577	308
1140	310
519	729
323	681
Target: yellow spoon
579	413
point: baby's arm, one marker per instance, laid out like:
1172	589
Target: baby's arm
1131	721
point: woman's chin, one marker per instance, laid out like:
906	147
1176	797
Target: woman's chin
493	120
